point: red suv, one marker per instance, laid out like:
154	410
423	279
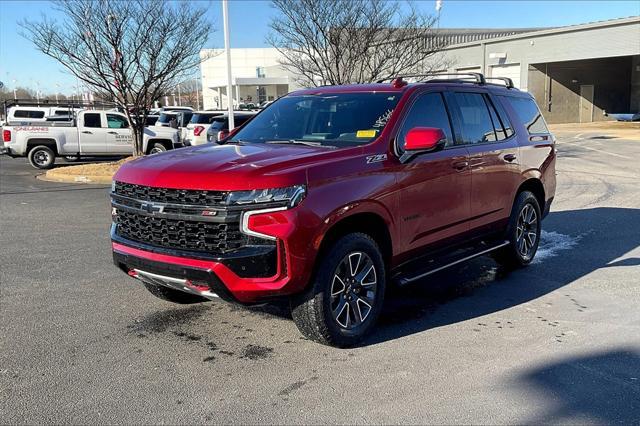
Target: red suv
331	195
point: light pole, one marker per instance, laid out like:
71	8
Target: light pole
15	96
57	90
179	97
225	19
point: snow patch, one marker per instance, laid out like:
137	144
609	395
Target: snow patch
551	243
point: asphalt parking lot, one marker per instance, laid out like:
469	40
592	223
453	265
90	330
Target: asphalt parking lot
558	342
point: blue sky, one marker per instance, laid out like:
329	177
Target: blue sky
249	25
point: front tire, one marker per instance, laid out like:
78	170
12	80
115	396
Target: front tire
42	157
346	295
523	232
174	296
157	148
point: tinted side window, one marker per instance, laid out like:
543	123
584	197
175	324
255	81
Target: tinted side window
238	121
529	113
92	120
116	122
474	117
504	118
497	125
427	111
21	113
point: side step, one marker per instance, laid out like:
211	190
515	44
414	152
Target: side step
435	263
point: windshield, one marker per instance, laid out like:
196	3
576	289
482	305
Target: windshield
166	117
199	118
339	119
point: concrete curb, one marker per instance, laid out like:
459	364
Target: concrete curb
56	175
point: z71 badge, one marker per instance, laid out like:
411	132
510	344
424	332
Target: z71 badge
376	158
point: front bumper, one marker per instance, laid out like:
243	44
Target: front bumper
206	277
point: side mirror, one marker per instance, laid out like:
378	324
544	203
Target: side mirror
422	139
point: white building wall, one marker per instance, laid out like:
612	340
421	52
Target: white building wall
619	37
245	64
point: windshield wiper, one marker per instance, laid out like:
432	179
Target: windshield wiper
300	142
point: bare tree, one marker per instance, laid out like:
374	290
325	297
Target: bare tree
352	41
133	51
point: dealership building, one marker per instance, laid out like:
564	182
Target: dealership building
576	73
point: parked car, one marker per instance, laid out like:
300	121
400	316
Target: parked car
196	130
248	106
92	133
332	195
175	109
219	128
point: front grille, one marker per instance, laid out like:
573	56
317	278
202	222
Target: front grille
191	235
167	195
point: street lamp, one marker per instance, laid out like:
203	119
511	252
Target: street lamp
15	96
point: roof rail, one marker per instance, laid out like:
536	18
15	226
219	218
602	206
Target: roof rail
478	77
52	103
507	81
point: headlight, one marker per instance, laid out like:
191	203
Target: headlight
289	197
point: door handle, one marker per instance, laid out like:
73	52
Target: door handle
86	132
113	133
460	165
509	157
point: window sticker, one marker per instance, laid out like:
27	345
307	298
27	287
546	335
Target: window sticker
382	120
366	133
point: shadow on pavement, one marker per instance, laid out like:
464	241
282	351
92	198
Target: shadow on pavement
481	287
603	388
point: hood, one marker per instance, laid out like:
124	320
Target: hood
160	131
227	167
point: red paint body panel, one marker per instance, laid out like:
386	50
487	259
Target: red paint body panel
422	202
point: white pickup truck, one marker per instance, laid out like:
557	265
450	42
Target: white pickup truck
91	134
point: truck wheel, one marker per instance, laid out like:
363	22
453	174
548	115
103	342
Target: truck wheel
42	157
157	148
175	296
346	295
523	232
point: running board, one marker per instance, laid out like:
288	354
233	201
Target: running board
419	273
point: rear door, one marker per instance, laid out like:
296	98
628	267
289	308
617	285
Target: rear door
493	156
119	139
92	136
434	187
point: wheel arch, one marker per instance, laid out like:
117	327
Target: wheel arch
165	142
535	186
369	223
33	142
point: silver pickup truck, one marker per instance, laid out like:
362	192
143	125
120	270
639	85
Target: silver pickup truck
90	134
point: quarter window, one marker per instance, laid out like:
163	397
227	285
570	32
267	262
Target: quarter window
92	120
529	114
476	123
427	111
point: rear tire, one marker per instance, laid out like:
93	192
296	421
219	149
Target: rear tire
523	232
71	158
174	296
345	298
42	157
